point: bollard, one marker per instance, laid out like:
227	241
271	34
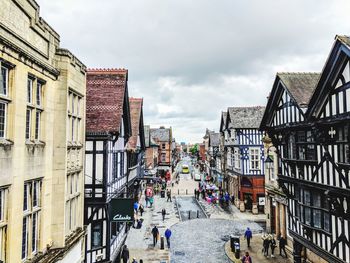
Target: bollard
161	242
197	213
186	191
178	191
189	214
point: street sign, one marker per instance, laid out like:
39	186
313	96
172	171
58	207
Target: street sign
261	200
121	210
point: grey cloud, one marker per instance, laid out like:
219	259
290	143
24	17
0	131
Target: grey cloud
196	58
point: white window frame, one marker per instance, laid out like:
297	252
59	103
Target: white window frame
73	196
74	116
254	157
30	84
5	118
7	79
237	158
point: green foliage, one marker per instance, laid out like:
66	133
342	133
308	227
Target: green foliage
194	149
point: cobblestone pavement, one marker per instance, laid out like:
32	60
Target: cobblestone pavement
255	251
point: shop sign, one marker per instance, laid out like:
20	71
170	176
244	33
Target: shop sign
261	201
121	210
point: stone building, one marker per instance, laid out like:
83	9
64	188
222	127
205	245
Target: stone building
151	150
42	119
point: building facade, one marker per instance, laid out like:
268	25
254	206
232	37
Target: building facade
246	157
151	151
163	137
42	119
108	129
310	130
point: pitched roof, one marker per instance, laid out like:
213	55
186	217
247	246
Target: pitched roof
214	139
105	94
160	134
135	116
344	39
245	117
223	120
301	85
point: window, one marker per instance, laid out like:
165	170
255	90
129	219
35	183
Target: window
34	108
163	157
305	146
4	97
3	116
255	159
72	202
237	158
312	209
31	218
343	144
163	146
3	225
74	116
96	235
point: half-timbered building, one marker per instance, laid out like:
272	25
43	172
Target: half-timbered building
108	129
313	157
246	156
136	146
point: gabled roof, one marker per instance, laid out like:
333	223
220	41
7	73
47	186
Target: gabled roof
106	96
214	139
300	85
339	51
161	134
244	117
136	118
207	133
223	121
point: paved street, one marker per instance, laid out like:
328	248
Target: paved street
209	235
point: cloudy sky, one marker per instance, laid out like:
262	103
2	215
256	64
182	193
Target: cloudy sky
191	59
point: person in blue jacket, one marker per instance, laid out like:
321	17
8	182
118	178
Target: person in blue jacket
167	236
248	235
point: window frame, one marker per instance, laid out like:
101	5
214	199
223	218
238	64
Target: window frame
254	158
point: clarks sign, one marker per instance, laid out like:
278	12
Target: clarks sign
121	210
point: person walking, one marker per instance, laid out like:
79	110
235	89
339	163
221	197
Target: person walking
125	254
136	207
282	245
246	258
248	235
266	244
151	200
163	214
141	209
134	260
167	236
155	233
273	246
168	194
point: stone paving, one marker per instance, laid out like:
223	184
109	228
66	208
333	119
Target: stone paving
140	242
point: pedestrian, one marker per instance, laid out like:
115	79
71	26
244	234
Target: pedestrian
266	244
273	246
134	260
151	200
155	233
168	193
163	213
147	200
141	209
247	258
125	254
248	235
195	193
167	236
141	261
282	245
136	207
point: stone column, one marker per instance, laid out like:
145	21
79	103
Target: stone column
278	217
255	210
283	220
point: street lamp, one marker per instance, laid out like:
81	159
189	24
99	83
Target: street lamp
269	164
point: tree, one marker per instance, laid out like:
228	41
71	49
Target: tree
194	150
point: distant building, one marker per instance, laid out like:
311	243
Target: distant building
151	150
42	119
163	137
245	157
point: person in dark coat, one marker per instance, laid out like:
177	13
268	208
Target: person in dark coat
125	254
141	209
282	244
266	244
246	258
168	194
273	246
155	233
167	236
248	235
163	213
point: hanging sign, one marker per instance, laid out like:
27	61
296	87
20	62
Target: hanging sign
121	210
261	200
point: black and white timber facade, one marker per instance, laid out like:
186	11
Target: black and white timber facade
106	162
307	117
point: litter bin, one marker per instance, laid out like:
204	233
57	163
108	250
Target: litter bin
237	251
162	194
233	240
